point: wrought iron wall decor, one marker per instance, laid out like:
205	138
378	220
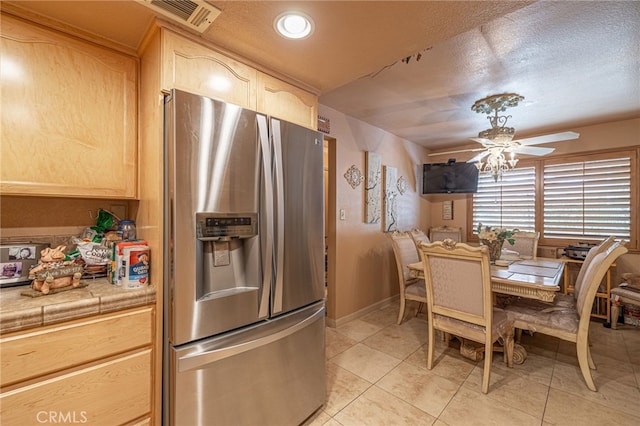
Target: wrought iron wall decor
354	176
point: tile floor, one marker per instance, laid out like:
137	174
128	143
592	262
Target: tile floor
377	375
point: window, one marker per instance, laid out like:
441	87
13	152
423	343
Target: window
588	199
584	197
508	203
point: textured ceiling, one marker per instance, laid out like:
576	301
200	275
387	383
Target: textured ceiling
576	63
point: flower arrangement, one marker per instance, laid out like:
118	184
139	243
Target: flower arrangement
490	233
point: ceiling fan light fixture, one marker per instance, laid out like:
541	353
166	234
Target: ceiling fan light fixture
496	163
294	25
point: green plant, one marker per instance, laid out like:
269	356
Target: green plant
492	233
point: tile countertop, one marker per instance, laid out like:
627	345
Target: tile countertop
18	312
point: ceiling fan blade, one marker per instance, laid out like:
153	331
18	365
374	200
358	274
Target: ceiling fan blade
478	157
484	141
455	152
554	137
532	150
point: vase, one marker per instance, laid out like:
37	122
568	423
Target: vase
495	249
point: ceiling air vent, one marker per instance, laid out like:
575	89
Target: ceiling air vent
197	15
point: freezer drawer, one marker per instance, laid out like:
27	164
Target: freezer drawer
268	374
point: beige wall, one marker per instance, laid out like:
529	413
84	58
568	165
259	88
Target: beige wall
365	274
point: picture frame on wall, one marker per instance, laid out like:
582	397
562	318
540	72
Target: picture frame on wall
373	187
390	199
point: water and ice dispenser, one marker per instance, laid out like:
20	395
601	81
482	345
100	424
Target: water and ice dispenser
228	254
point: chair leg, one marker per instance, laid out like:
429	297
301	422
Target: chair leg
401	313
582	349
431	347
615	313
486	375
592	365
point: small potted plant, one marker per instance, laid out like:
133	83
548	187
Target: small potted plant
494	237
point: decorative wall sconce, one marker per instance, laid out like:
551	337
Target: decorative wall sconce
354	176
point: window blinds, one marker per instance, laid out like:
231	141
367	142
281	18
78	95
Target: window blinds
587	199
508	203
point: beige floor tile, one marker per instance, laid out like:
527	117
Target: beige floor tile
511	389
342	388
368	363
536	367
369	350
358	329
389	341
320	418
447	362
469	407
377	407
419	387
566	409
382	317
413	329
336	343
620	395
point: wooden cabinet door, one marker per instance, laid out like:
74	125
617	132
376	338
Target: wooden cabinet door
282	100
113	392
68	116
194	68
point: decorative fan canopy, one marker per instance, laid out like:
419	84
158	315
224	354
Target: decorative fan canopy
499	132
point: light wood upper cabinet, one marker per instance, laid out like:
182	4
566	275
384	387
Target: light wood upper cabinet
194	68
282	100
68	115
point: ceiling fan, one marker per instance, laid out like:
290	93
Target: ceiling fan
499	138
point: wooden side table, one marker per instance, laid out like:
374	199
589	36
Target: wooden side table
601	304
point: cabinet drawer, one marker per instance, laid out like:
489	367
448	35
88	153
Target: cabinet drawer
109	393
30	354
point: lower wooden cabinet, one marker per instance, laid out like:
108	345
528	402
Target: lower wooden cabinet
102	375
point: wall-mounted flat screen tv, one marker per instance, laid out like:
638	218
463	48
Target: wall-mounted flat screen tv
449	178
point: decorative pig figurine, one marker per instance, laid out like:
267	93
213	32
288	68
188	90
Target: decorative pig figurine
54	272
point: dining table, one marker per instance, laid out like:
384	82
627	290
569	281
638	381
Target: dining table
537	279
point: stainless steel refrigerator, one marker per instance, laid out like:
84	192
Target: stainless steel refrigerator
244	277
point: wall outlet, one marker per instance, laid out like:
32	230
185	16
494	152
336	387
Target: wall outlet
343	215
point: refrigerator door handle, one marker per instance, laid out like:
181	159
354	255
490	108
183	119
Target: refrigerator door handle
201	359
266	220
279	219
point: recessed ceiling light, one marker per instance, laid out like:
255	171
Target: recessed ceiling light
293	25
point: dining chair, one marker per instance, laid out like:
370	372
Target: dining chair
404	250
441	233
594	251
566	322
460	302
526	244
418	236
